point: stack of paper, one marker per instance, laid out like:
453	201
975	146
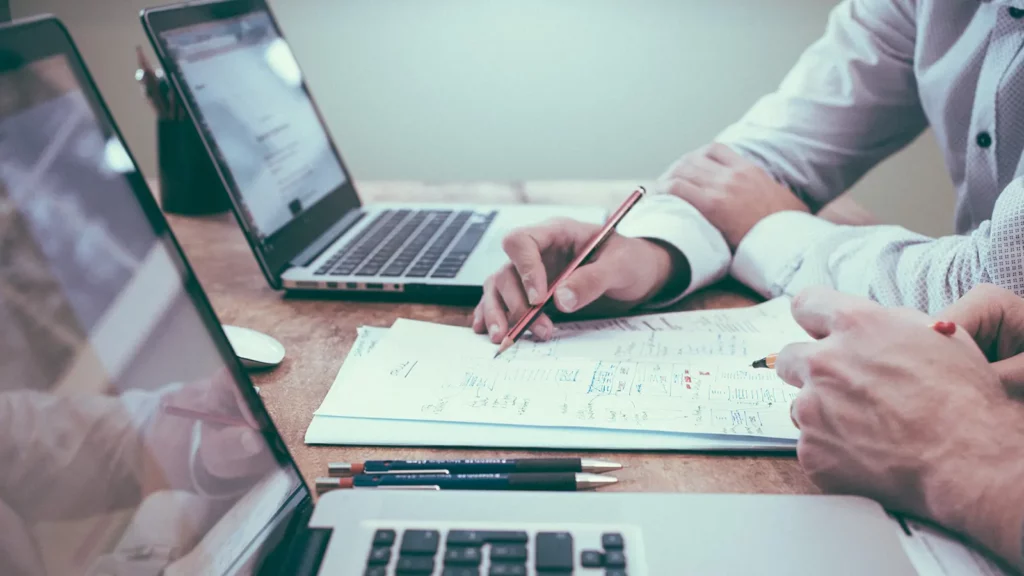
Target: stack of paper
678	381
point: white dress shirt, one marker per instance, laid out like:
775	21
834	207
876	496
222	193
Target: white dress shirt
883	72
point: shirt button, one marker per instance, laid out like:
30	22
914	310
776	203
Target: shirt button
984	140
1016	13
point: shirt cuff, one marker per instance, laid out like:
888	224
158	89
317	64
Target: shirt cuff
674	221
770	254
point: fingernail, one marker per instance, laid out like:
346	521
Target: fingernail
493	329
476	317
542	331
566	299
532	296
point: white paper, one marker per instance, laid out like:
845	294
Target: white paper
684	380
341	430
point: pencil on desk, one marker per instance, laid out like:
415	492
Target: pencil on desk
602	235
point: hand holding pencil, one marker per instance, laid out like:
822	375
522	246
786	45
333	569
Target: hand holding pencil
622	272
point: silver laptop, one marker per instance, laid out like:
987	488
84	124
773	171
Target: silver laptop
291	191
124	459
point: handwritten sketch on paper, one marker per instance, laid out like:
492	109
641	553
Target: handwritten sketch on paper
696	381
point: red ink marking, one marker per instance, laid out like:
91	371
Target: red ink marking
945	328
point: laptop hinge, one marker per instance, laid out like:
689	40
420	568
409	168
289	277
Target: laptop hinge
317	247
306	561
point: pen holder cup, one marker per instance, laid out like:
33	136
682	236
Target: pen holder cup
189	183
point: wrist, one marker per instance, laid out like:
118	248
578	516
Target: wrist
980	492
672	272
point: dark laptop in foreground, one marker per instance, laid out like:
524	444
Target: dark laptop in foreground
136	445
290	189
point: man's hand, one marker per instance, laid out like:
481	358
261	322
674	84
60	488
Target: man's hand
228	455
994	317
624	273
892	410
730	191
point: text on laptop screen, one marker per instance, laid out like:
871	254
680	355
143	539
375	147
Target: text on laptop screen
250	98
126	445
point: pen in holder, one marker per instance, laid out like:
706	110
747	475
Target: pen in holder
189	183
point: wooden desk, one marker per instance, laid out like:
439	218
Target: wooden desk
318	333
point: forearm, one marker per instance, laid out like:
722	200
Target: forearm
787	252
67	457
849	102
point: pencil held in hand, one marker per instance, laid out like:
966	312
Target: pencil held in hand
942	327
589	250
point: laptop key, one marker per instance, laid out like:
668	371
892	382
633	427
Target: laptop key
591	559
415	542
376	571
504	569
379	555
615	559
508	552
478	537
615	572
384	537
460	571
463	555
612	541
553	551
415	565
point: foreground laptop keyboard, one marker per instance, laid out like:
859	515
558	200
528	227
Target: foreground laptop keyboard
491	553
411	243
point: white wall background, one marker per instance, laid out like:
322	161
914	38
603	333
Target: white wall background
524	89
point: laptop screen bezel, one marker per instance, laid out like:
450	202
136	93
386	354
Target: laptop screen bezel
278	251
45	36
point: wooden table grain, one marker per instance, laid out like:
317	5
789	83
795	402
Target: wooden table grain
317	334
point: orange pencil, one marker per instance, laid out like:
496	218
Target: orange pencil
944	328
602	235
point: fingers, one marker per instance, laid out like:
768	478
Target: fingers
495	316
993	317
232	452
820	310
1011	374
511	292
723	154
792	363
589	282
699	170
525	248
504	303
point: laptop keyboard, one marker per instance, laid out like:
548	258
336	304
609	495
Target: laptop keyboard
411	243
491	553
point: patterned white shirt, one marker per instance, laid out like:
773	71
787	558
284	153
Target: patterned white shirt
883	72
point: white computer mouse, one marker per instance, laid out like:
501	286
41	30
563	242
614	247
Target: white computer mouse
254	349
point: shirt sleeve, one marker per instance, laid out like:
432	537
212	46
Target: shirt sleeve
790	251
674	222
850	101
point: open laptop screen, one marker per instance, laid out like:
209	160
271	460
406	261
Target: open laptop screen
129	438
248	97
248	89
